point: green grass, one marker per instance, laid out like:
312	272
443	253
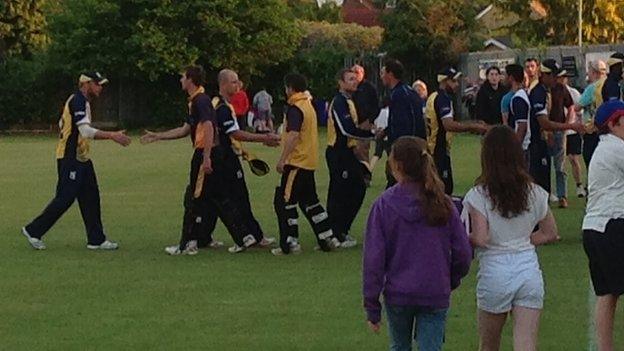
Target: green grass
138	298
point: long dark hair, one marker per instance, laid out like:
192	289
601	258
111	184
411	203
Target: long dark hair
410	155
504	174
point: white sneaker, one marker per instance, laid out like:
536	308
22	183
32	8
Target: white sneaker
236	249
349	242
216	244
190	250
266	242
107	245
294	249
36	244
553	198
580	191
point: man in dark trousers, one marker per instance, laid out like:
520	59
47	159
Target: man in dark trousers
347	186
441	122
366	102
210	181
405	109
76	176
297	164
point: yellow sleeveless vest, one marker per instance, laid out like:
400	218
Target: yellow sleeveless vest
305	153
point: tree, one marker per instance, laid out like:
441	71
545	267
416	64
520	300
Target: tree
21	27
427	35
603	21
309	10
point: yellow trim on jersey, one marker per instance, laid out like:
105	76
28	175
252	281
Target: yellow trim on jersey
432	122
237	146
290	181
66	126
332	134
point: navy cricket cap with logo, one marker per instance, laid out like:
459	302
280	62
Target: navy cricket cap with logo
551	66
448	73
609	111
616	58
95	77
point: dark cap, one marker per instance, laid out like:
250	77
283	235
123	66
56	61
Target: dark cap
93	77
448	73
616	58
551	66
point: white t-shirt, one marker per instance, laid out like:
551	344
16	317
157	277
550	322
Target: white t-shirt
381	122
508	235
606	184
576	97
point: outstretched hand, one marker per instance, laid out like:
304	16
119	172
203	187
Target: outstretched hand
120	138
272	140
149	137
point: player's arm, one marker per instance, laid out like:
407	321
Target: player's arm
344	122
269	139
82	118
453	126
547	124
521	110
171	134
208	142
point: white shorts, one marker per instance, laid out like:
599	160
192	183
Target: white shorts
509	280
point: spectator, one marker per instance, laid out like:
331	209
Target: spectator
596	73
421	89
561	111
240	102
416	251
531	68
489	98
504	207
603	226
262	105
574	142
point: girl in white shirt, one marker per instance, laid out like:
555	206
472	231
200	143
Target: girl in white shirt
505	207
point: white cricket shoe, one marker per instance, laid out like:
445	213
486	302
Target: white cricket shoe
190	249
580	191
215	244
294	249
348	243
106	245
36	244
266	242
553	198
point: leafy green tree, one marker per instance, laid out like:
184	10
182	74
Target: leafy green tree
603	22
22	26
427	34
309	10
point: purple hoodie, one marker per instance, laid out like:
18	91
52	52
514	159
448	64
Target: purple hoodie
412	262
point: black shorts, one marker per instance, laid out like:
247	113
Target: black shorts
605	252
574	144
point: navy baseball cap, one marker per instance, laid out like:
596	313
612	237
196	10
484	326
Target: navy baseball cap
609	111
551	66
448	73
93	77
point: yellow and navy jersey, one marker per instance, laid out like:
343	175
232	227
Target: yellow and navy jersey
200	111
72	145
342	131
226	123
301	118
439	106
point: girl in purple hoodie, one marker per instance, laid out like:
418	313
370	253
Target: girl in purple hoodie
416	251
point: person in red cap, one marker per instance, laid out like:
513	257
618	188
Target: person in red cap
76	176
603	225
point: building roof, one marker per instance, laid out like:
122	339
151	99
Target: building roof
362	12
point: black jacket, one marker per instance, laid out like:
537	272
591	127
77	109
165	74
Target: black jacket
366	102
489	103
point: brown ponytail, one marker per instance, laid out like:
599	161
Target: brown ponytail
411	157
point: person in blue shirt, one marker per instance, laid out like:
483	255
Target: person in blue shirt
519	106
405	109
347	186
505	101
587	103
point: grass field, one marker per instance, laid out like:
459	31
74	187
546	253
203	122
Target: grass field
67	298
